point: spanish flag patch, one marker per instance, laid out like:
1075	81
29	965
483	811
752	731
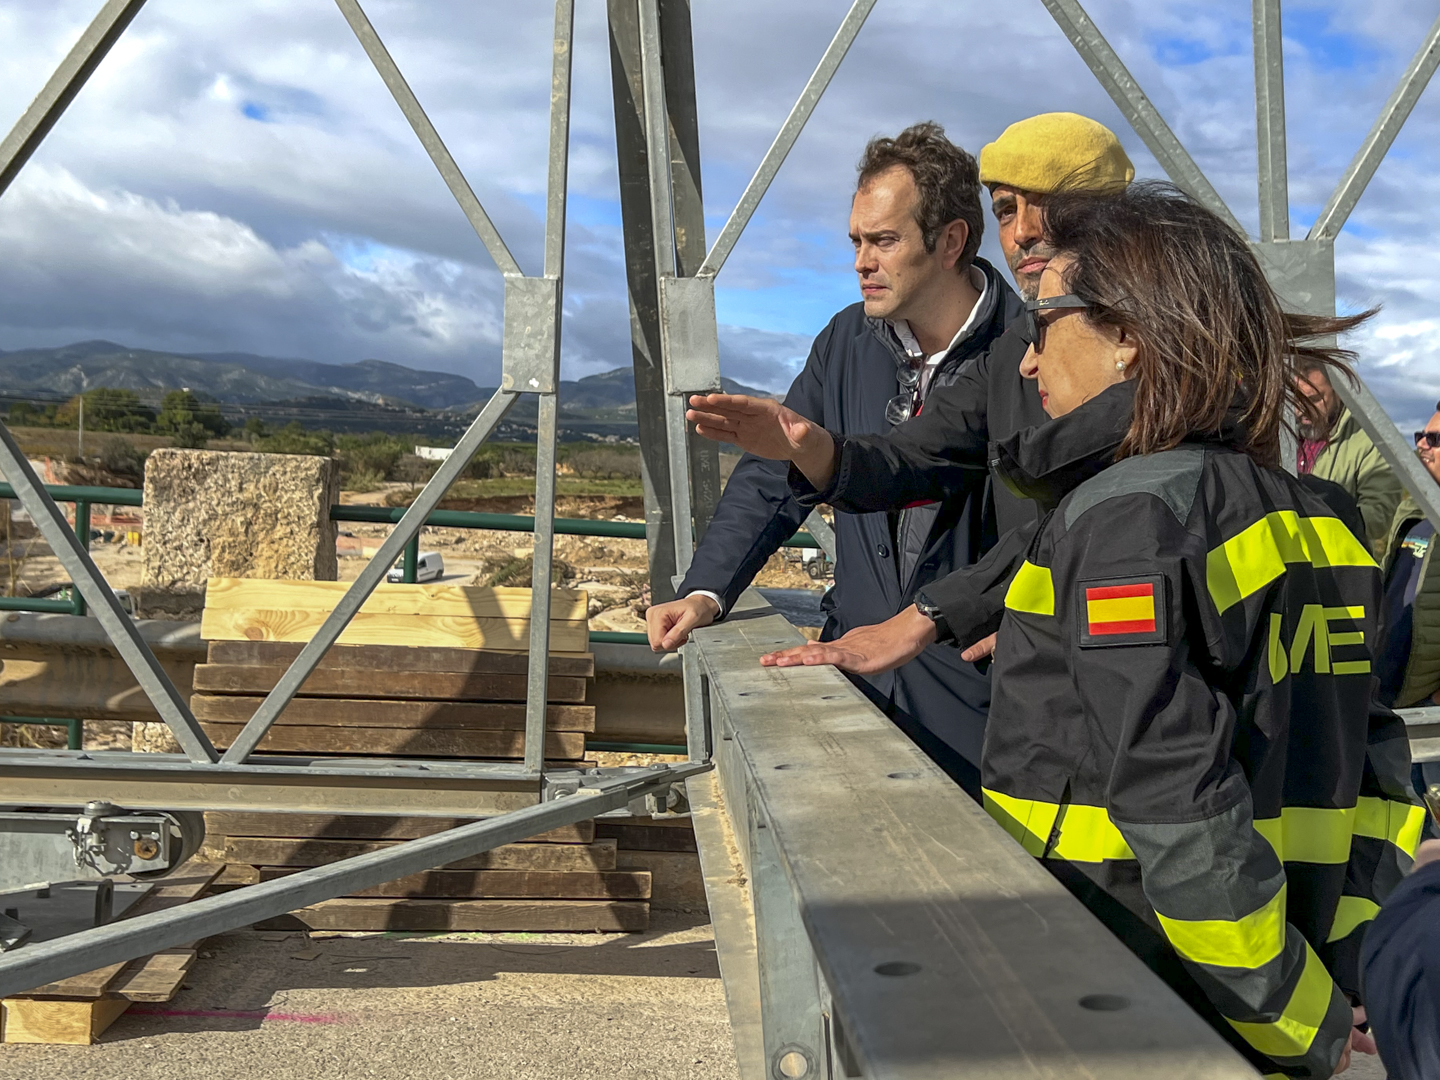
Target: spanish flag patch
1122	611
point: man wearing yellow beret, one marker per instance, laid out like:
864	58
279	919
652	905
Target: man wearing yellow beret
1038	156
936	454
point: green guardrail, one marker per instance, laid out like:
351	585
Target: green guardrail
73	729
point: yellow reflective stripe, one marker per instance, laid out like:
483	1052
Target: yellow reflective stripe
1031	590
1088	835
1387	819
1352	911
1246	563
1292	1034
1029	821
1247	942
1309	834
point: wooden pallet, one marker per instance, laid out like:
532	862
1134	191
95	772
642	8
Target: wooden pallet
77	1010
565	879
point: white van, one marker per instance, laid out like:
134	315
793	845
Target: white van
429	567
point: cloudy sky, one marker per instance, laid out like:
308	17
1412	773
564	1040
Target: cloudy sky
236	176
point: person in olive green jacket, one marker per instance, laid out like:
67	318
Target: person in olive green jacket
1334	447
1407	659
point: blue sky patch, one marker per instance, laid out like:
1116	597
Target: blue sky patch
255	111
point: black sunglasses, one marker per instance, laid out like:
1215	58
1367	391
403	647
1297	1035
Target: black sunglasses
1032	328
1427	438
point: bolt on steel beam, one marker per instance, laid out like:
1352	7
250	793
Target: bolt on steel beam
1387	125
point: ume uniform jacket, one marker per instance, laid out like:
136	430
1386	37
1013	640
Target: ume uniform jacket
1182	728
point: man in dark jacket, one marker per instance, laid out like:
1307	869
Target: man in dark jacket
929	309
941	453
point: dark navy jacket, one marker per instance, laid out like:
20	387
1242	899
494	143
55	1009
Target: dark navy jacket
847	380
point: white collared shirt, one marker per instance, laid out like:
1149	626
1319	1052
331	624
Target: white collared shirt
933	361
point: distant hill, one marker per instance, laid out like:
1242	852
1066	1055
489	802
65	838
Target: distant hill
231	378
241	379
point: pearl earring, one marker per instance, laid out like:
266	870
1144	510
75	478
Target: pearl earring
1119	365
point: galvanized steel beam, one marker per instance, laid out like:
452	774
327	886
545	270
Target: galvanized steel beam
1270	121
428	136
1387	125
50	961
60	89
1115	77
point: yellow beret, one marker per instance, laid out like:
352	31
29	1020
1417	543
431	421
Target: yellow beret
1055	150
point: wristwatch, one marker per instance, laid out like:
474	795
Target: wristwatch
931	611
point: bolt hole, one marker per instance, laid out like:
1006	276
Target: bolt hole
1104	1002
903	776
896	968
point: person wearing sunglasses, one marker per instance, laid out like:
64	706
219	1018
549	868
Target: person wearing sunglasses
1408	655
1182	728
928	307
1333	446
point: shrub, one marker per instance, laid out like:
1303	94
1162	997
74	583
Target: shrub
294	439
376	453
121	457
604	463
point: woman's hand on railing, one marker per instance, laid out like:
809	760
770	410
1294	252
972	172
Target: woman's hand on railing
866	649
767	429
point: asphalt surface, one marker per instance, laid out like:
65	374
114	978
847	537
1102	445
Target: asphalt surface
467	1007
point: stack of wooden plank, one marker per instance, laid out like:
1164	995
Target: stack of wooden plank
77	1010
563	880
414	681
423	671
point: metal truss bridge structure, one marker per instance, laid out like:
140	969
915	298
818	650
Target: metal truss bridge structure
871	920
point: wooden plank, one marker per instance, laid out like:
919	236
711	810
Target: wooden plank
516	916
448	631
399	658
416	742
63	1023
365	827
358	683
676	881
188	882
365	713
505	884
645	838
278	852
157	977
467	601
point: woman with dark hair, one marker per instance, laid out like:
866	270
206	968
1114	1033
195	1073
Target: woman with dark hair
1182	724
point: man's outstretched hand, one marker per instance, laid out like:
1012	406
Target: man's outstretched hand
767	429
866	649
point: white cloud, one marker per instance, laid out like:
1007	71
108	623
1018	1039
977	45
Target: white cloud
212	184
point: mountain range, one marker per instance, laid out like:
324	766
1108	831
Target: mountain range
244	379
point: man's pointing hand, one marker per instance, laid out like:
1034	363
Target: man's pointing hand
767	429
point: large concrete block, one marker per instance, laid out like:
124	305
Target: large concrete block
211	513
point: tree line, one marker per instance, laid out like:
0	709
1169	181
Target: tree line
188	419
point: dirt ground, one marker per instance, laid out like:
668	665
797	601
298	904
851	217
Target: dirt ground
647	1006
613	571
